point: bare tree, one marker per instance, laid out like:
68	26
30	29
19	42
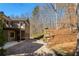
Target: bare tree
77	45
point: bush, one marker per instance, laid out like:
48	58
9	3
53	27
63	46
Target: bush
2	37
2	52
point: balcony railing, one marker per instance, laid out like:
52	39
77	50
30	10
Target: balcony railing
14	26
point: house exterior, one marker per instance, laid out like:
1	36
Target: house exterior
15	30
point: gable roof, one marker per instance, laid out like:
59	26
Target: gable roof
7	18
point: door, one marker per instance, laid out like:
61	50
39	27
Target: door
11	36
18	35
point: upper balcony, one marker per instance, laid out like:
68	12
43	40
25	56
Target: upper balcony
15	25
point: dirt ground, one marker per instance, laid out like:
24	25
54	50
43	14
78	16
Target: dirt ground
63	40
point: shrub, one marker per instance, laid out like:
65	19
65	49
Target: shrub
2	38
2	52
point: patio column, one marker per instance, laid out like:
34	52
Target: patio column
20	31
8	31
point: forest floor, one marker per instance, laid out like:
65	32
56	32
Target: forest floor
62	41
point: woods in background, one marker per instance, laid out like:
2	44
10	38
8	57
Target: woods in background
53	16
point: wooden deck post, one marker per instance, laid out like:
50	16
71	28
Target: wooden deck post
20	31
